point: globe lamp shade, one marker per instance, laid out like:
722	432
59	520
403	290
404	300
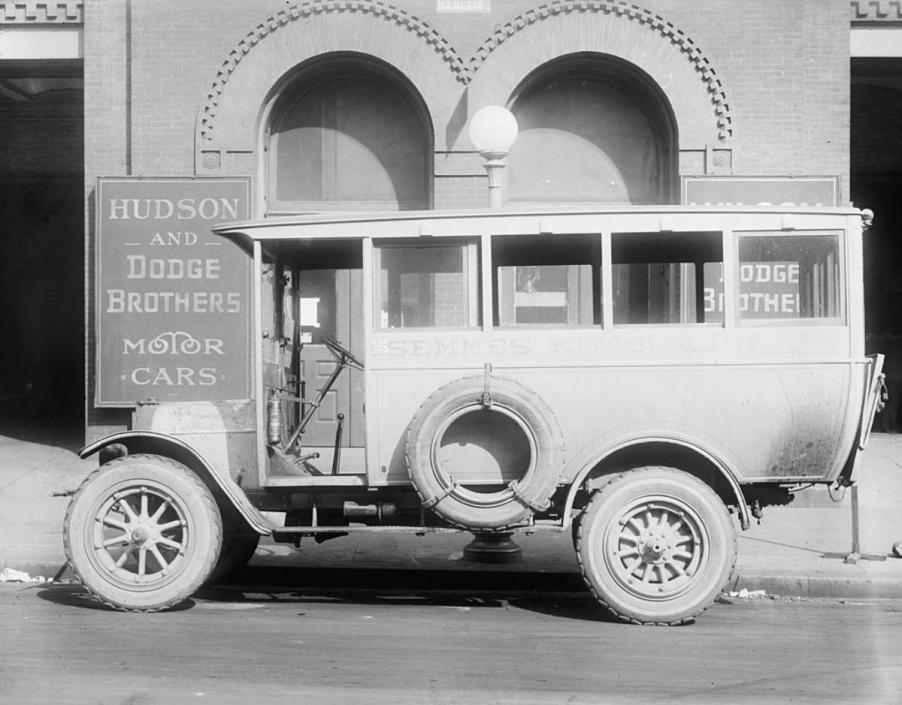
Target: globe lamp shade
493	130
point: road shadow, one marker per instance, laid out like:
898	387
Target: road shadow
403	578
558	595
74	595
581	607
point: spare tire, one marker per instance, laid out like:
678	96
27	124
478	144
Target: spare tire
484	453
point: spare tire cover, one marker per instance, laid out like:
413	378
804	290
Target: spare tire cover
510	504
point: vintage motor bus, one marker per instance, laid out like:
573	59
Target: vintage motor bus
647	378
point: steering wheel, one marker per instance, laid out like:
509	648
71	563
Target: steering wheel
342	355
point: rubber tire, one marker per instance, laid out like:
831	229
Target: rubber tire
189	498
495	511
238	547
603	527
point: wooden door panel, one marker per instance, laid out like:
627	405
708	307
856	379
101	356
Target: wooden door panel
338	315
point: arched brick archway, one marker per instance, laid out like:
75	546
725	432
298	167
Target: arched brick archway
231	114
655	47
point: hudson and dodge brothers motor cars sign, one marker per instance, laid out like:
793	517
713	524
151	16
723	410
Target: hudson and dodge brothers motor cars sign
172	298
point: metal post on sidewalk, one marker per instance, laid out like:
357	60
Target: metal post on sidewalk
855	554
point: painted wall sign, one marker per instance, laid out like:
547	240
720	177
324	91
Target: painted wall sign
760	190
173	319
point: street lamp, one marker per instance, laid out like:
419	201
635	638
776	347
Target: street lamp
493	131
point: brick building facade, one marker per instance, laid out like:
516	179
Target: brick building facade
755	88
659	101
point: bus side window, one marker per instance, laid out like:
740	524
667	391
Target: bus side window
427	286
666	278
789	276
543	280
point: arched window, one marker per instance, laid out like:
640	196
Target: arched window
347	134
593	129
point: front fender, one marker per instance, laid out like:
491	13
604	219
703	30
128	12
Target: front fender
160	444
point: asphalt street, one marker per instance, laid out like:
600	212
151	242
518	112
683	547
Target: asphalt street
370	644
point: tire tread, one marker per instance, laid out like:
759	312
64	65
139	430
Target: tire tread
206	498
611	609
526	396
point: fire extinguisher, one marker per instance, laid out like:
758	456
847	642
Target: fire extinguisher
274	419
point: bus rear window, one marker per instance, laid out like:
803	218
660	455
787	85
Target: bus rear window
789	276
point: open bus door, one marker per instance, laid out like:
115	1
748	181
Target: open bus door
875	399
330	303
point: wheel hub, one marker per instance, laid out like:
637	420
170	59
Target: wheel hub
655	548
139	536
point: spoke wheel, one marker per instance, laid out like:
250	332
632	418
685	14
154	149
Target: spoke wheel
656	546
142	533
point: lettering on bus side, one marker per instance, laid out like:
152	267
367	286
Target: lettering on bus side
452	347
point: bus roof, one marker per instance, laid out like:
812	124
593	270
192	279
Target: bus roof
536	220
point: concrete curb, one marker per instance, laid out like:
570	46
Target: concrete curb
822	586
804	586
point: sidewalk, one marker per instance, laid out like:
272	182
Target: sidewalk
784	555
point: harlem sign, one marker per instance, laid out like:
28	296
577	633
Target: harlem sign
172	319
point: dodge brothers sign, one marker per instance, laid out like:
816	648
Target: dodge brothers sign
172	299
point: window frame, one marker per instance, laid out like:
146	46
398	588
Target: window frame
716	238
470	247
841	286
583	285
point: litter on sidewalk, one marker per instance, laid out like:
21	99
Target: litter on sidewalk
746	594
10	575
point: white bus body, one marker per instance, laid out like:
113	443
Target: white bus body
645	377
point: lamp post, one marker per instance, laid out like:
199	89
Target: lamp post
493	131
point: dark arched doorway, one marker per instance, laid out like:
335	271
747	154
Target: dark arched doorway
593	129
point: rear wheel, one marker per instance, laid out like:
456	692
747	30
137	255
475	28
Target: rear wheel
656	546
142	533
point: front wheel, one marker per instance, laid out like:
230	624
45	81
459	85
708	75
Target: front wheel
656	546
142	533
